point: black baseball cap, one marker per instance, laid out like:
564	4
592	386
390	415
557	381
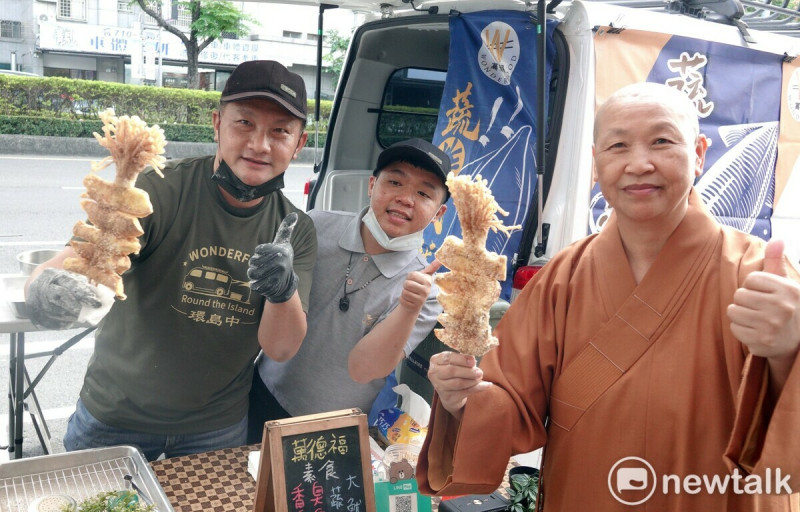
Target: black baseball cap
420	153
267	79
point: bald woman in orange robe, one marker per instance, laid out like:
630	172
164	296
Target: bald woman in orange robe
666	338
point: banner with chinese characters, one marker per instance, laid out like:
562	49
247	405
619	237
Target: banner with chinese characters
487	119
739	112
785	215
107	40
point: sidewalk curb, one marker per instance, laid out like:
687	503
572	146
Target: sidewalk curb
88	147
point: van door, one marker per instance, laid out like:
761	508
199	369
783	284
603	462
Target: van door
479	103
390	89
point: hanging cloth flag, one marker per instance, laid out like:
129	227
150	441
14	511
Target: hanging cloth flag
487	119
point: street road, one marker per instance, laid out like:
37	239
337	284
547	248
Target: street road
39	204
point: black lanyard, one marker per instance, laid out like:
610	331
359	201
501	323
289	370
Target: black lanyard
344	302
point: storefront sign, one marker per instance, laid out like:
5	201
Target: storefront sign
98	39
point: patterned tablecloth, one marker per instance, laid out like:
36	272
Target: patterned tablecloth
215	481
212	481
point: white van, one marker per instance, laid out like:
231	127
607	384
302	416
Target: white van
467	76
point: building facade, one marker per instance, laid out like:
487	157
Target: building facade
114	41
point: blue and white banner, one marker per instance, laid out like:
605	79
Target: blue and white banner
487	119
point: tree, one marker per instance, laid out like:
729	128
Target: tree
338	50
210	20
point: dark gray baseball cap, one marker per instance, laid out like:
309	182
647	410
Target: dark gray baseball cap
418	152
267	79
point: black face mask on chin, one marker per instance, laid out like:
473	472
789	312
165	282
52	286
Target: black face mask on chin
240	191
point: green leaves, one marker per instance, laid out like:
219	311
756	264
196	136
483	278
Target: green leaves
215	17
67	98
210	20
522	492
338	49
65	107
115	501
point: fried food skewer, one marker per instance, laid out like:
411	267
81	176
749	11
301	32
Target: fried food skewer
114	208
468	291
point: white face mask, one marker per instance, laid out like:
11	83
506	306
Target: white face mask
400	243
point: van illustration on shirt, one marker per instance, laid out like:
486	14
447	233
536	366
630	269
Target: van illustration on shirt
211	281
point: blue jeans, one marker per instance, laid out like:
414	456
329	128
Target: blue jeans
85	431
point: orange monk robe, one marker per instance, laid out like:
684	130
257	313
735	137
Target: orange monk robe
675	407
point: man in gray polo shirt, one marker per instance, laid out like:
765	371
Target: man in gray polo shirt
372	299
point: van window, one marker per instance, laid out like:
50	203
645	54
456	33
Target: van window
410	105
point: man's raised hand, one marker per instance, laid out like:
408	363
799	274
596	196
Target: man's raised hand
417	286
271	272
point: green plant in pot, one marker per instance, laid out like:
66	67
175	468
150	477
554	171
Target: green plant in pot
523	489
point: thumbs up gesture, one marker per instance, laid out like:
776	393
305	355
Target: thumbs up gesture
417	286
271	272
765	314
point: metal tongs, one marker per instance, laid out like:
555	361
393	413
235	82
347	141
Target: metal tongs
139	490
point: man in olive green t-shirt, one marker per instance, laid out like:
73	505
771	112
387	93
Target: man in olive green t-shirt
172	365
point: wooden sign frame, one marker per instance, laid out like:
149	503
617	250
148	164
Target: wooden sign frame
271	483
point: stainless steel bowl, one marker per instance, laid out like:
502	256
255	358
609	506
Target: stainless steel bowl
11	287
19	307
29	260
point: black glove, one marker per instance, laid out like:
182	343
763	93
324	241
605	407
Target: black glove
271	273
55	298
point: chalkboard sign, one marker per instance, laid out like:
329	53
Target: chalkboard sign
316	463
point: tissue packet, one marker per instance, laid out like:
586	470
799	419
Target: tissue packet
406	423
399	427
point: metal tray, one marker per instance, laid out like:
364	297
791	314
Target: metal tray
80	475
